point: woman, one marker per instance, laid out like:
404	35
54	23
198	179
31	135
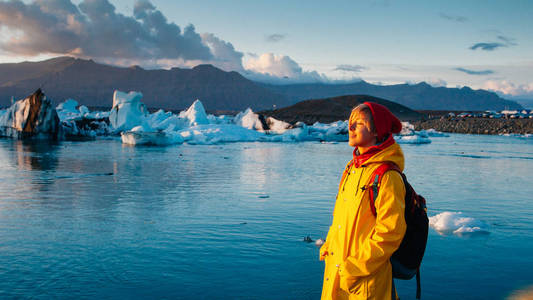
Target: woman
359	245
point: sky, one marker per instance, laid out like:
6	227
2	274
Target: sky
481	44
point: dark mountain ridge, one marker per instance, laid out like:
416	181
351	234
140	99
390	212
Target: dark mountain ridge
418	96
92	84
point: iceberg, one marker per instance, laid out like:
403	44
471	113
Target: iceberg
249	119
434	133
195	114
277	126
408	135
456	223
221	133
80	122
412	139
32	117
67	109
137	136
128	111
130	119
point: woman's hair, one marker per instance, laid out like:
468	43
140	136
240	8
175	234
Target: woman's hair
365	110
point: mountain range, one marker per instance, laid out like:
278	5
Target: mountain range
421	96
92	84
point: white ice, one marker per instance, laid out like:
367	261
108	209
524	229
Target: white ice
195	114
412	139
128	111
249	119
130	118
14	119
457	223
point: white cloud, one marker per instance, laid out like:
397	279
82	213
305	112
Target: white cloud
437	82
509	88
95	29
274	68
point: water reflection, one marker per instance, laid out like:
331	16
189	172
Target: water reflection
36	155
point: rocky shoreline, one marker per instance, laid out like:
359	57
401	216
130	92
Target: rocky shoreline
477	125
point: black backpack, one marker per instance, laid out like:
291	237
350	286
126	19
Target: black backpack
407	259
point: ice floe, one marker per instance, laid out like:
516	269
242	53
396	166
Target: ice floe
249	119
457	223
128	111
130	119
32	117
195	114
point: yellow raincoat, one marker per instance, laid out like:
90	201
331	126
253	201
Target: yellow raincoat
358	246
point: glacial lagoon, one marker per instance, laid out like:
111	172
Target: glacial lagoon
99	219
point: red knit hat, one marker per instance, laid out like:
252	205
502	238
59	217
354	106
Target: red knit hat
384	121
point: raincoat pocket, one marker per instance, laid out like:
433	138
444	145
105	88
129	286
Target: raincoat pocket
358	287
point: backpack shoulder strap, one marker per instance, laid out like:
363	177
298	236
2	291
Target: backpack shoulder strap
375	181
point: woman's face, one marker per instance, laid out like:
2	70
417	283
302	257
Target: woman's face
360	134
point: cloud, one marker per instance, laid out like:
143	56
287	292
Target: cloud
276	37
350	68
508	88
272	68
225	55
460	19
472	72
490	46
487	46
94	29
437	82
507	40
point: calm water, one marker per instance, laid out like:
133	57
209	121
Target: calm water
102	220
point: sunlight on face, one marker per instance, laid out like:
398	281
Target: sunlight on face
360	134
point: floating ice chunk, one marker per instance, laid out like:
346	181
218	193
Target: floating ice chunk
249	119
195	114
434	133
407	129
412	139
222	119
457	223
32	117
137	136
83	110
167	121
128	111
67	110
277	126
336	131
219	133
69	106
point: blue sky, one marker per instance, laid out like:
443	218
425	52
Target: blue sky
482	44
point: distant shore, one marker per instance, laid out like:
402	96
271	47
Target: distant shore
477	125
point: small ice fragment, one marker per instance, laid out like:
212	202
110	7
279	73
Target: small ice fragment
457	223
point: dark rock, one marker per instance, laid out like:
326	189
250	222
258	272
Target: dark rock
477	125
